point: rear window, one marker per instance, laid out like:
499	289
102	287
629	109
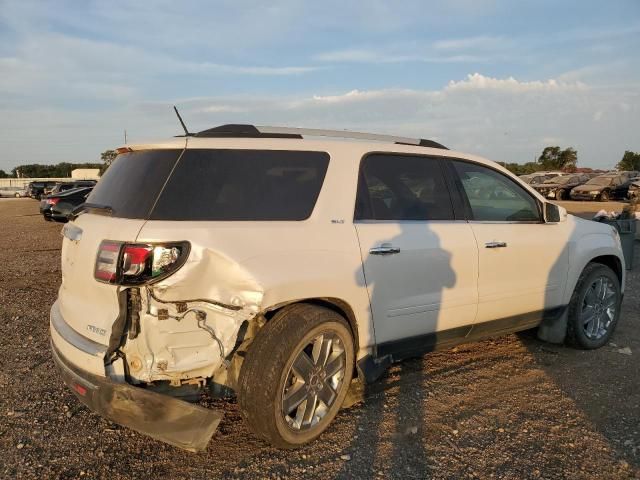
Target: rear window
228	185
132	183
213	184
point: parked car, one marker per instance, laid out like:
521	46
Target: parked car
634	188
58	207
603	188
538	178
37	189
560	187
280	263
16	192
63	186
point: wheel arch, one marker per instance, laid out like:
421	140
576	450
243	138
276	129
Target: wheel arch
607	258
611	261
337	305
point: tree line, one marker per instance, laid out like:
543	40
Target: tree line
63	169
36	170
551	158
566	160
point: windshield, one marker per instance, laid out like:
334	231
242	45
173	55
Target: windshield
600	181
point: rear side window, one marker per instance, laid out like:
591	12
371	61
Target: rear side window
399	187
132	183
228	185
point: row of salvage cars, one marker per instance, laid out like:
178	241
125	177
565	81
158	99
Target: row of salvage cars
586	186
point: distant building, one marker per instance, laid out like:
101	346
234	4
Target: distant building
85	174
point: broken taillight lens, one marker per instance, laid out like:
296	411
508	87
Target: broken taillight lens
135	264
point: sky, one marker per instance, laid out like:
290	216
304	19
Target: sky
497	78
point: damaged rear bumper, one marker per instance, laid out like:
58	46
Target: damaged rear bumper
159	416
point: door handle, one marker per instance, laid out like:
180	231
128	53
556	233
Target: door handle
495	244
384	249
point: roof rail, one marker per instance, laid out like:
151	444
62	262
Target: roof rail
240	130
260	131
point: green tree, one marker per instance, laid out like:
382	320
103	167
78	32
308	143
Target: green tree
554	158
521	169
107	157
4	174
48	171
630	161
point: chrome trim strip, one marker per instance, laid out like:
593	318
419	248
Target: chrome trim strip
72	337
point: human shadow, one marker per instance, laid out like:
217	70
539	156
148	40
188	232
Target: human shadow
405	292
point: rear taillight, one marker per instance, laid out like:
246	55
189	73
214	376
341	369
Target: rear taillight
135	264
107	262
52	201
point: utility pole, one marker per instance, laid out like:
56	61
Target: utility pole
125	137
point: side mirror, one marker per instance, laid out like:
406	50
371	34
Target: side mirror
554	213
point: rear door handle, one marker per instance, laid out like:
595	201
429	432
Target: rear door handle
384	249
495	244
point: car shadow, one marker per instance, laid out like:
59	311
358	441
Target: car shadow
603	383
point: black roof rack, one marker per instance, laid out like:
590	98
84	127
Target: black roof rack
251	131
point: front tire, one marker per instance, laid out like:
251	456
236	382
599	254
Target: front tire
561	195
594	308
296	374
604	196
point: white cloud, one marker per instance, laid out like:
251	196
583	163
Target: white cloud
500	118
480	82
365	96
46	66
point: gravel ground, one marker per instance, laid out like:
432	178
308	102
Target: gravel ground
508	408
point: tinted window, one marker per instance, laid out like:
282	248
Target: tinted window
396	187
242	185
132	183
495	197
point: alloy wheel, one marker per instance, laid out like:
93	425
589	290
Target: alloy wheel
313	381
598	308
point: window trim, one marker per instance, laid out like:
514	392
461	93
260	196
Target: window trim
465	199
361	180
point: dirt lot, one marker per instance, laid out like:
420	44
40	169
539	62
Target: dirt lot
508	408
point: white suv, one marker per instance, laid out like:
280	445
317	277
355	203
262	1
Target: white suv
263	261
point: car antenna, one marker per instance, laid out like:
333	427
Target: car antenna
184	127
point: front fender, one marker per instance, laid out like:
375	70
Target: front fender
586	248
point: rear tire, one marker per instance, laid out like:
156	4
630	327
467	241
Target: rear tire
604	196
594	308
560	195
296	374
